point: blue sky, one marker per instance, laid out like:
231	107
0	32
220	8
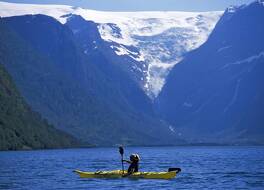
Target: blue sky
141	5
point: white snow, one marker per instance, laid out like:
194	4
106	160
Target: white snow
223	48
16	9
122	50
232	9
172	129
247	60
161	37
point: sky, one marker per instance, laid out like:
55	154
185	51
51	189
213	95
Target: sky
144	5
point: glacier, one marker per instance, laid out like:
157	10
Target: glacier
162	38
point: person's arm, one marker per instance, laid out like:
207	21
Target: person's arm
127	161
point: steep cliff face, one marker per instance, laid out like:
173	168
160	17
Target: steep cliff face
216	93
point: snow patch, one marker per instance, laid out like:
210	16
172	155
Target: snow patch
121	50
247	60
172	129
231	9
223	48
56	11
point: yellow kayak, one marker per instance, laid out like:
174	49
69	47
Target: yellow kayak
171	173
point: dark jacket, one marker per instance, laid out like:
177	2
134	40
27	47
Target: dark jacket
133	167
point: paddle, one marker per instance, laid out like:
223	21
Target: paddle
121	151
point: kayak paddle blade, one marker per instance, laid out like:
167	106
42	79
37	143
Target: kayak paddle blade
121	150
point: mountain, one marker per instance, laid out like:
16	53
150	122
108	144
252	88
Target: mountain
145	45
82	94
20	127
97	51
216	95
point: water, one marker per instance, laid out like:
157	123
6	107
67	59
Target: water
202	168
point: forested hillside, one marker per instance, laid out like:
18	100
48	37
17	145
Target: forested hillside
20	127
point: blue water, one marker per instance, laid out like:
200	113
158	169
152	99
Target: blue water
202	168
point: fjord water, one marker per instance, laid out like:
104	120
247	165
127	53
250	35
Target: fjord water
202	167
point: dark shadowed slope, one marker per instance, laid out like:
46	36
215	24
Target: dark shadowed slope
20	127
216	94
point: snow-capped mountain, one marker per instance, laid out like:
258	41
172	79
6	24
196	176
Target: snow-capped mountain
162	40
81	93
153	41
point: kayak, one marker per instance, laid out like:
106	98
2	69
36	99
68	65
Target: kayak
171	173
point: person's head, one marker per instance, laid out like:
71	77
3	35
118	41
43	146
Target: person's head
134	158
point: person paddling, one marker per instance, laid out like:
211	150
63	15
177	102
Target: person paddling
134	162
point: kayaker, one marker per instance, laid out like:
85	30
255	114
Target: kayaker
133	167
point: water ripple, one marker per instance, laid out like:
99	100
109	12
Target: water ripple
202	168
